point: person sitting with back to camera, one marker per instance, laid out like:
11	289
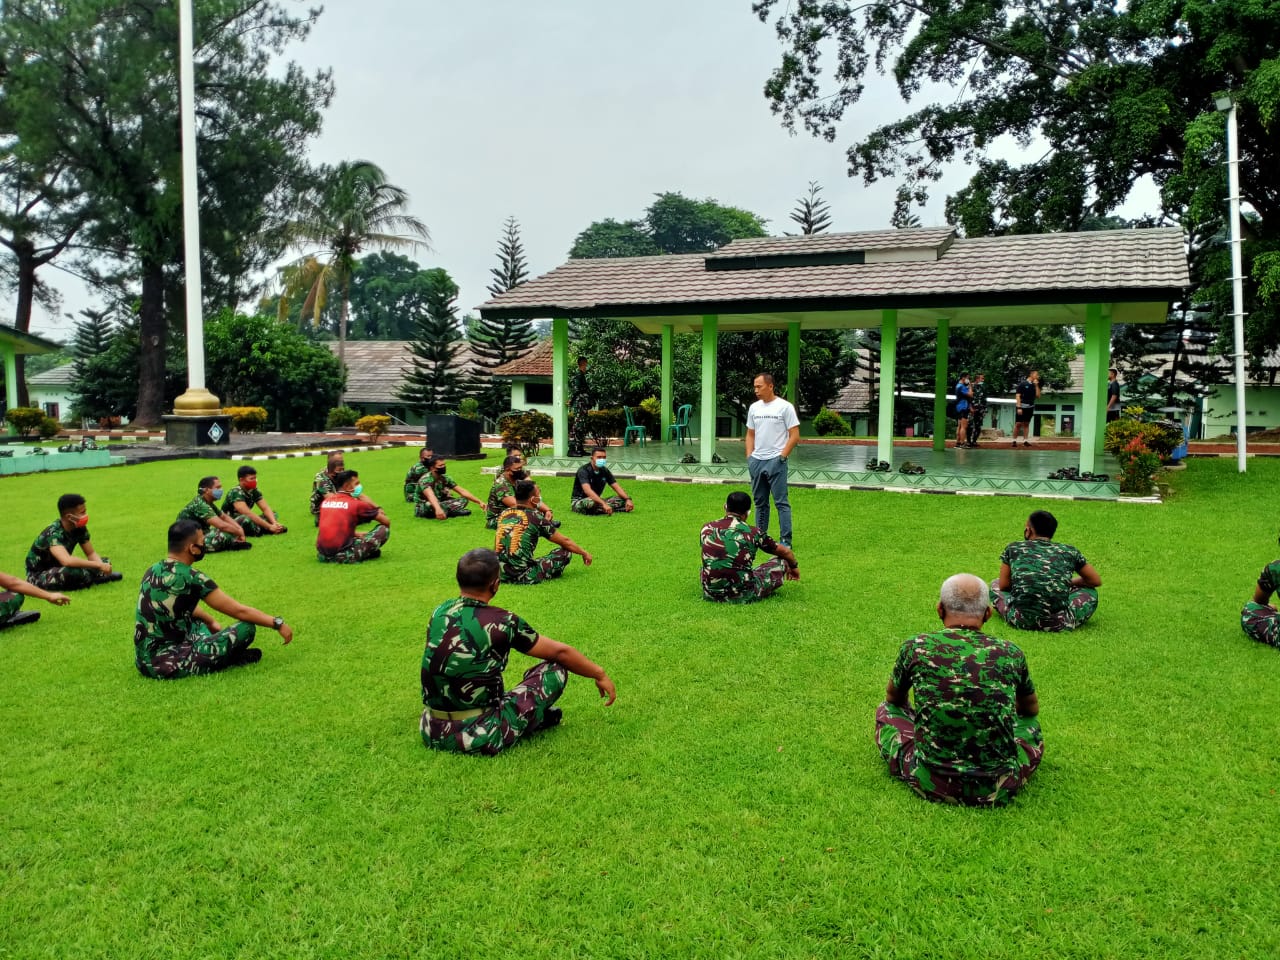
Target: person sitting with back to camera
519	530
1259	619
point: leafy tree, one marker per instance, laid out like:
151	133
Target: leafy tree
433	384
387	290
260	362
825	366
106	382
93	334
1116	92
680	225
812	213
609	238
351	206
91	87
495	342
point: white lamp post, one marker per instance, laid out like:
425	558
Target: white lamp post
196	401
1226	104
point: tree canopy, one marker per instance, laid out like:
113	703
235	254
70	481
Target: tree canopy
495	342
433	383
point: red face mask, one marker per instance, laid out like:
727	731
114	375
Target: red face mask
249	483
82	521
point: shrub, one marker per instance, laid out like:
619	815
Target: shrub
1160	437
469	408
602	424
108	423
25	420
341	417
375	425
525	429
246	419
828	423
1138	467
648	414
49	427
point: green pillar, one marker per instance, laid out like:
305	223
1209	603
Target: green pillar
10	381
888	377
1097	358
559	385
710	341
940	385
667	398
793	365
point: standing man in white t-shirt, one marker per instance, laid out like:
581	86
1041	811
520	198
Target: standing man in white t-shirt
773	430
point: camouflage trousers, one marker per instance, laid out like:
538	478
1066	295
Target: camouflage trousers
10	603
896	738
452	507
363	546
525	708
1262	622
250	528
539	570
1081	605
201	652
764	580
578	430
218	540
66	578
589	508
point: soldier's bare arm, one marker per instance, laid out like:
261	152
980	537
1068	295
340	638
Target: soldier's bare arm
67	559
574	661
560	540
1086	577
225	603
1260	595
1028	705
8	582
1005	580
895	696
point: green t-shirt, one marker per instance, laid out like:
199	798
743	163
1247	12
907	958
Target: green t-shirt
238	494
502	487
167	600
200	511
1041	572
468	643
39	558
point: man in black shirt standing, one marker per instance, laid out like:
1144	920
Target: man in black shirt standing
1026	395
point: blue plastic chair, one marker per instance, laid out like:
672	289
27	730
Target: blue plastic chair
633	430
679	430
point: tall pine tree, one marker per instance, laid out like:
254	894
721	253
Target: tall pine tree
811	212
495	342
433	383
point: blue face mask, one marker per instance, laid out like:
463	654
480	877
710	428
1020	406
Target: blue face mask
217	493
358	490
602	463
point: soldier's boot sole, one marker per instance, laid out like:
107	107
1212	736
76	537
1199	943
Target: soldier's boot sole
19	618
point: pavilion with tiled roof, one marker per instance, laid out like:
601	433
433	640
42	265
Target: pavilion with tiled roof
890	279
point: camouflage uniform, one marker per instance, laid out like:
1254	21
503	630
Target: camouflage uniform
440	485
412	479
249	497
46	573
597	480
1041	596
321	487
468	643
977	412
580	405
1260	620
502	487
168	641
201	511
728	549
519	530
963	742
10	603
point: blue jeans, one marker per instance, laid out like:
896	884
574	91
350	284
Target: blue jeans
769	478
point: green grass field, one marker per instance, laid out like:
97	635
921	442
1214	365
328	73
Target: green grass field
730	804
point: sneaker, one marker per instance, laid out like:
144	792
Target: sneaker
555	524
551	717
246	656
464	513
112	577
19	618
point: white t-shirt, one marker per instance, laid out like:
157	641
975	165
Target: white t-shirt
772	422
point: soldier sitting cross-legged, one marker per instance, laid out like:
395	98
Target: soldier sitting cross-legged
1044	585
468	709
1259	619
52	563
972	737
729	549
519	530
340	514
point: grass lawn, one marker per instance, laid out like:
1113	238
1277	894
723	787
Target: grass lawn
731	803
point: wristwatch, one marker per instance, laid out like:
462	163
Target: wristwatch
277	623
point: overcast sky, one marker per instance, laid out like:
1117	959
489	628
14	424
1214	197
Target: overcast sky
565	112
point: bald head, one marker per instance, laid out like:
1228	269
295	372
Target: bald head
964	594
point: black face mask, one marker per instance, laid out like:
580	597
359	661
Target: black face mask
198	555
439	469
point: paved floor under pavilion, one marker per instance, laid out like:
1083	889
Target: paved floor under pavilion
993	469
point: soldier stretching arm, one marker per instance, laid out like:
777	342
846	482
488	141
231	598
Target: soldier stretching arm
225	603
8	582
576	663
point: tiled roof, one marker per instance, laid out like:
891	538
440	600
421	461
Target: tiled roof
1129	265
536	363
837	242
376	368
60	376
854	398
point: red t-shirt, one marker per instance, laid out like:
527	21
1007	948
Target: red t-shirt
340	514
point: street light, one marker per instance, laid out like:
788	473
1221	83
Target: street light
1225	103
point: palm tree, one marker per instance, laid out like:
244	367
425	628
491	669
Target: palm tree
350	207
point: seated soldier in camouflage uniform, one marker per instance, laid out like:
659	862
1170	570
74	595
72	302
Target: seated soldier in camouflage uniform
221	532
340	513
51	561
12	591
589	482
322	484
416	472
468	643
172	636
243	497
729	549
1259	619
502	495
972	737
1044	585
438	497
520	529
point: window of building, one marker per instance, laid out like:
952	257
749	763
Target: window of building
539	393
